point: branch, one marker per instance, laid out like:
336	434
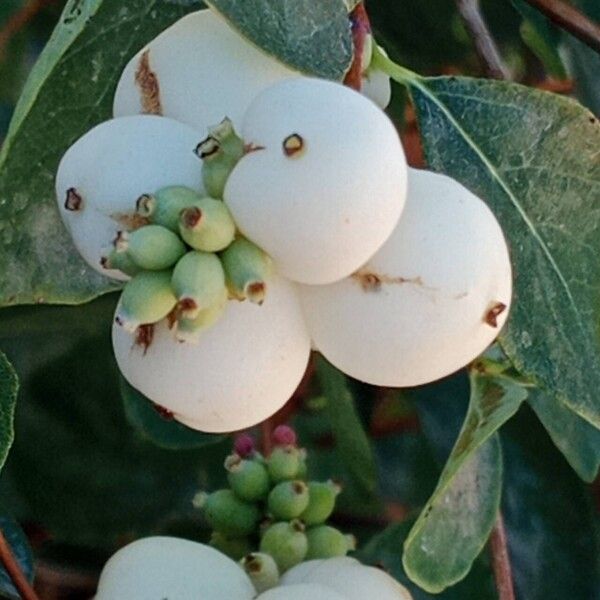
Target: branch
14	571
569	18
501	561
482	38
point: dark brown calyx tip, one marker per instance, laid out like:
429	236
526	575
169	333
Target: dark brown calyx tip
492	314
165	413
191	217
207	148
73	201
293	145
187	304
144	336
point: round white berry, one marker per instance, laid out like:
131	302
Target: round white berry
429	302
347	577
376	85
327	185
241	371
103	174
165	567
302	591
204	69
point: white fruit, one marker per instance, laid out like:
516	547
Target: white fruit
329	185
205	70
376	85
241	371
111	166
418	310
348	578
303	591
163	567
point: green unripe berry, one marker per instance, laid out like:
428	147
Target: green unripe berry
288	499
198	282
207	226
284	463
262	570
120	261
235	548
165	206
231	143
286	543
146	298
327	542
229	515
247	269
190	330
151	247
249	479
321	503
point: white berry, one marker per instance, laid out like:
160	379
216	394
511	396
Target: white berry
241	371
103	174
163	567
429	302
328	185
303	591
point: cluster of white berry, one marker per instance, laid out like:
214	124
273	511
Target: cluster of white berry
303	205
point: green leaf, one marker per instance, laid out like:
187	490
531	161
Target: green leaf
9	386
165	433
382	550
21	551
69	90
312	37
578	440
533	156
351	439
457	520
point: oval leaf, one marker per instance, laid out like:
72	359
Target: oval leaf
69	90
312	37
9	386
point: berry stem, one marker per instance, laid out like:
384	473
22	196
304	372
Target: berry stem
14	571
361	28
266	441
501	561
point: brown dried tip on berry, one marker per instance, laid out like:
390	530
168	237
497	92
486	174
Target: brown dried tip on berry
145	205
187	307
144	335
73	201
491	316
293	145
256	292
283	435
207	148
121	242
164	413
244	445
191	217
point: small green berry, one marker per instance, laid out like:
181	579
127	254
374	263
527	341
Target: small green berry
146	298
286	543
327	542
198	282
120	261
207	226
229	515
248	269
288	500
284	463
249	479
321	502
165	206
262	570
151	247
235	548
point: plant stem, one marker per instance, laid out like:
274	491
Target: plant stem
485	45
501	561
361	28
396	72
14	571
569	18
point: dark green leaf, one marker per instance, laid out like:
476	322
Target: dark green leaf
578	440
382	550
533	157
550	519
69	90
312	37
9	386
351	440
166	433
21	551
457	520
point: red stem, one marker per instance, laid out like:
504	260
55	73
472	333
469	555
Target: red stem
501	561
14	571
361	28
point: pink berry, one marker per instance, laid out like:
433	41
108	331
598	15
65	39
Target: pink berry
244	445
284	436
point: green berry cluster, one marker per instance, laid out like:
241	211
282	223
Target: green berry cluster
271	505
183	253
